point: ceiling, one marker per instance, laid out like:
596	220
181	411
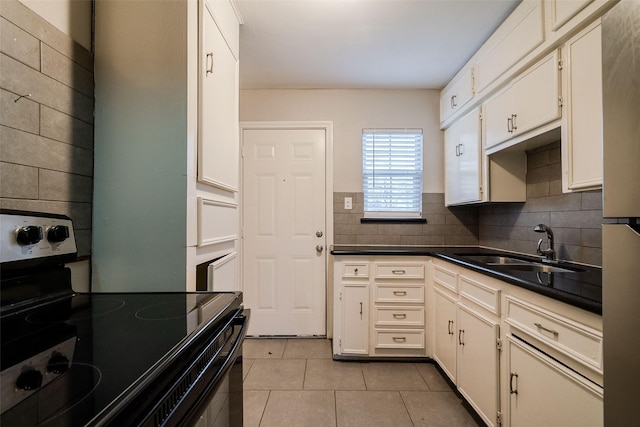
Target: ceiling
361	44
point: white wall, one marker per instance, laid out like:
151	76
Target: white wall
351	111
72	17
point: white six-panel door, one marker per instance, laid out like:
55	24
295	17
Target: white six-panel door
284	231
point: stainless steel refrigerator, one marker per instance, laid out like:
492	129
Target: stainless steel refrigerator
621	231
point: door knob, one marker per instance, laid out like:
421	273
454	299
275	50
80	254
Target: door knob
318	233
319	248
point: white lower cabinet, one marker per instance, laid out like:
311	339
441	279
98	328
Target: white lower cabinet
466	336
444	334
379	307
517	357
543	392
355	317
351	307
478	360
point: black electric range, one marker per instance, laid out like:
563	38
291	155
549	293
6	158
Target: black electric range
72	359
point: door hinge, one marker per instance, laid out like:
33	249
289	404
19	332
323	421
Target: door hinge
499	344
560	103
499	418
560	64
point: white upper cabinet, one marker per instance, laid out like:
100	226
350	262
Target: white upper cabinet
520	34
457	93
218	137
582	118
529	102
563	10
463	160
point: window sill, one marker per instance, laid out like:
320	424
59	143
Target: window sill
393	220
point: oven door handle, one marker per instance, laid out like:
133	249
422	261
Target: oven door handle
194	411
185	408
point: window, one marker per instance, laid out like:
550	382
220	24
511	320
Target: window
392	173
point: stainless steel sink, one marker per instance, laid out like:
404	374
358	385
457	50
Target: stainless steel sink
513	263
491	259
539	268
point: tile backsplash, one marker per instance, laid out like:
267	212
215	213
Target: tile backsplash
46	125
445	226
575	218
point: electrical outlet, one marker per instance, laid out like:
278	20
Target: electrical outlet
348	203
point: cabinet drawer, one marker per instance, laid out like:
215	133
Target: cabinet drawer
399	316
483	295
400	271
352	270
397	294
571	338
399	339
445	277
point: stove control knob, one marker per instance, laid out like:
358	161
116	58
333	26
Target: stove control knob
29	235
58	364
29	380
57	233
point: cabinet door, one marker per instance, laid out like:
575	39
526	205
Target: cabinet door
582	120
460	92
563	10
532	100
498	118
218	137
355	319
518	35
536	95
545	393
478	362
444	351
463	149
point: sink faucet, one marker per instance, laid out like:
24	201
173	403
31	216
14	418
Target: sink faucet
548	253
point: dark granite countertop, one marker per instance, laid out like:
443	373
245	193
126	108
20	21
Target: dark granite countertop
581	288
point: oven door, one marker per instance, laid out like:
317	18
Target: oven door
221	405
214	396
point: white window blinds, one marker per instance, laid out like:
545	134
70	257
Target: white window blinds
392	172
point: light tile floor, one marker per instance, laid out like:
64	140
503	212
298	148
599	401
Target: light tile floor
295	383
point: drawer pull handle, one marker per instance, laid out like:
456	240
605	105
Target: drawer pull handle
551	331
399	316
449	329
461	337
361	310
355	271
398	271
399	339
400	293
512	389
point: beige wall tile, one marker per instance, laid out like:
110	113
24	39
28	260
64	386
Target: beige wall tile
18	181
66	128
19	44
23	114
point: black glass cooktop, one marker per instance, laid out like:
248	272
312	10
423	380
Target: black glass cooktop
65	362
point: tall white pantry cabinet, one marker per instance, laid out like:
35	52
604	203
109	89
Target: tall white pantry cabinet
166	142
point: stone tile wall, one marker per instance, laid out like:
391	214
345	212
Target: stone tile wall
575	218
445	226
46	138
